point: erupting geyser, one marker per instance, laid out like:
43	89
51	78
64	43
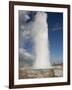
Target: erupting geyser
41	42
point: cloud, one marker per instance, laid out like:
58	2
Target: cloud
25	35
24	27
23	16
25	57
57	27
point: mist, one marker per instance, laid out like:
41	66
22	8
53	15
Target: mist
41	42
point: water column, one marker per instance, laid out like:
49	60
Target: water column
41	42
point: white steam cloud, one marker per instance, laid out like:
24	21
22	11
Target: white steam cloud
36	30
41	43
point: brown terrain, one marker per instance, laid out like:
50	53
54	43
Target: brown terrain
26	72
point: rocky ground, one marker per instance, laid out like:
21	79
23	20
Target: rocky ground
26	72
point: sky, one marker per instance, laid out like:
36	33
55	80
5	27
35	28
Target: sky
55	35
55	25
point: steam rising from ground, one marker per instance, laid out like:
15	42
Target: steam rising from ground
35	30
41	42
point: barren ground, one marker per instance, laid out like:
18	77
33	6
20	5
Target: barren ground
26	72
